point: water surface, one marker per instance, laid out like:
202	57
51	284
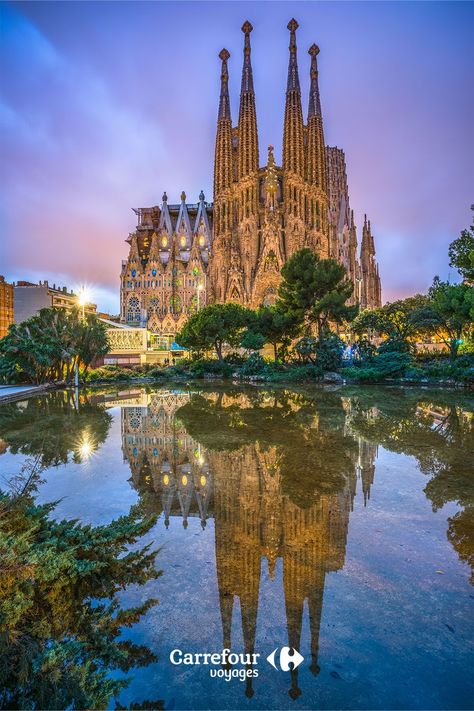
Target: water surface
337	522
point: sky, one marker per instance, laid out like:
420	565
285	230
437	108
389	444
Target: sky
103	106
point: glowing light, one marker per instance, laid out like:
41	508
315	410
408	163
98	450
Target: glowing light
200	287
85	447
83	297
184	479
201	461
166	480
203	480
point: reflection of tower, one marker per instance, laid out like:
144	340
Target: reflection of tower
366	466
254	518
237	522
164	460
258	512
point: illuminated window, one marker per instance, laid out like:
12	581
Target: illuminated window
133	309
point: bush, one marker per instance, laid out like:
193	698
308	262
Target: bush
255	365
235	358
395	345
110	373
327	355
385	365
201	368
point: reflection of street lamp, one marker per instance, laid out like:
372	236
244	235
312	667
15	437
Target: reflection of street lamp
85	447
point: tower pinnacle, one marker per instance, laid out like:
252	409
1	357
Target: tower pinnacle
293	79
293	132
224	103
247	78
314	105
247	151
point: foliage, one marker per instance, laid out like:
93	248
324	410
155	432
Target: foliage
252	341
306	440
461	253
49	345
202	368
449	312
437	430
60	616
52	429
255	365
391	364
213	326
112	373
397	320
270	325
314	291
327	354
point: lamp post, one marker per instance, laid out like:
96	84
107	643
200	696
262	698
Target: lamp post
82	300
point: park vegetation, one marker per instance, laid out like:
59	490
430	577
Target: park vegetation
61	619
48	346
302	331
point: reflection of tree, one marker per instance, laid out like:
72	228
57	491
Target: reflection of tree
51	427
312	450
60	615
438	430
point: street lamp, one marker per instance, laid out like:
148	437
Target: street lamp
83	298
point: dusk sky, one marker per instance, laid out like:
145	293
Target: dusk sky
103	106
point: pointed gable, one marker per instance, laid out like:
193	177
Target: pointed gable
165	218
183	225
201	225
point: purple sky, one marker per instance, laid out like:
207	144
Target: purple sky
105	105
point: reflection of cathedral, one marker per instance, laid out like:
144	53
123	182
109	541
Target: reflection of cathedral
254	516
234	248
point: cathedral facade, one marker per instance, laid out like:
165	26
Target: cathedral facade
183	256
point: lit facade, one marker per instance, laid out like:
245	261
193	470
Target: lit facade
185	255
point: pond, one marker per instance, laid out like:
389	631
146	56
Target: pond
337	522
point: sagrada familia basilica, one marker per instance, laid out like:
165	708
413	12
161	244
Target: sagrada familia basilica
183	256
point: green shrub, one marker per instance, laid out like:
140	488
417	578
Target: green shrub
235	358
254	365
327	354
201	368
390	364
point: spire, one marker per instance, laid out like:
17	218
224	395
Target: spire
293	135
224	102
293	79
247	151
316	148
247	78
223	173
314	105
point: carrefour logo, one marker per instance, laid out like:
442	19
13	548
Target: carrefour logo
230	665
289	659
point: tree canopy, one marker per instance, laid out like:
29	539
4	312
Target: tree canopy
213	326
48	345
315	291
461	252
60	615
270	325
397	320
449	312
